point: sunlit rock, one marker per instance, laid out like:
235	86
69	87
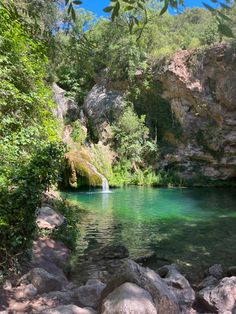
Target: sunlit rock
128	299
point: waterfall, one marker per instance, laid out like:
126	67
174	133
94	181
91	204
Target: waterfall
105	184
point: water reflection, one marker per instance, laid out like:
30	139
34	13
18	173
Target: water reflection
194	227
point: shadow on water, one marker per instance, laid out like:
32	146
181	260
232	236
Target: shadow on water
196	246
192	227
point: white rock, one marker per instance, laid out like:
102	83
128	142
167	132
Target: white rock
48	218
128	299
68	309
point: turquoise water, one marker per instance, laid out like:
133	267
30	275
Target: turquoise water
193	227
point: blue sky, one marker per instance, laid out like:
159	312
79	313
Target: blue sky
96	6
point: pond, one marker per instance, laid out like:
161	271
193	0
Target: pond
192	227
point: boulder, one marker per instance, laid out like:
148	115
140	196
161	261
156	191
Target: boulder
61	297
53	251
42	280
216	271
209	281
103	104
180	286
25	291
128	299
163	298
48	218
89	295
221	298
50	255
164	270
68	309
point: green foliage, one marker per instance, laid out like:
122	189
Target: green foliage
30	152
73	63
88	46
126	58
68	232
131	136
101	159
135	149
78	134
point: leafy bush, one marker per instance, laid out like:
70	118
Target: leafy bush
78	133
131	136
30	152
134	147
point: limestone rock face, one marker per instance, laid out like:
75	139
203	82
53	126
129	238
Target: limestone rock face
200	87
221	298
128	299
66	107
101	106
163	298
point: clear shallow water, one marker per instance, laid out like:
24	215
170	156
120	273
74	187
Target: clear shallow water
193	227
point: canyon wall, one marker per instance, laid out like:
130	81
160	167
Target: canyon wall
200	86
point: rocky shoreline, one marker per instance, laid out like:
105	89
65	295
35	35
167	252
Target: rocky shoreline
127	288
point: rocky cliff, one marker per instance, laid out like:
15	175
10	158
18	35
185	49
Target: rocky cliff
200	86
190	109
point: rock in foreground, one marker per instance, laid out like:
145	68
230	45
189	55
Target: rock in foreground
163	298
48	218
68	309
221	298
128	298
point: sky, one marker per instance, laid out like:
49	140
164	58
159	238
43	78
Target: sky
96	6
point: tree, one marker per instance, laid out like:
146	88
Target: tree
30	151
131	137
133	7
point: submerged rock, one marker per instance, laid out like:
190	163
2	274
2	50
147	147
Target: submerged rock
216	271
145	258
114	252
232	271
128	299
